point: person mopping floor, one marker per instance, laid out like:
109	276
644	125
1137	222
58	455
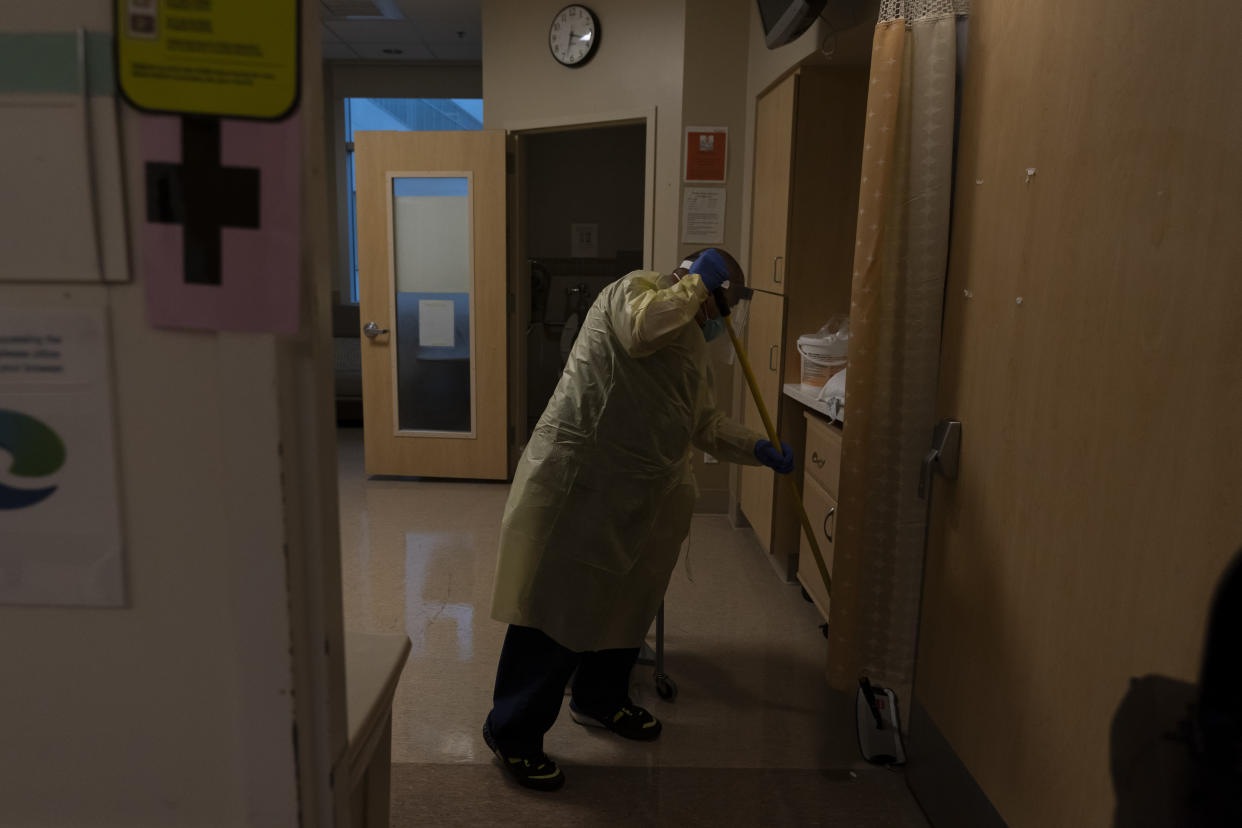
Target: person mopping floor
601	502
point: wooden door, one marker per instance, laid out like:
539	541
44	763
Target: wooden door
1093	352
431	258
774	130
763	338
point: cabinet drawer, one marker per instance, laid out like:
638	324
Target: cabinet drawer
821	508
823	454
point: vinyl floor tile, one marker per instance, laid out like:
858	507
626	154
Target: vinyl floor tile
754	736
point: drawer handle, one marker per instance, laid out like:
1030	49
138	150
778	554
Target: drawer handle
817	460
827	518
775	259
772	357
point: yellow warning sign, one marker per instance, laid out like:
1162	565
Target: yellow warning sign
232	58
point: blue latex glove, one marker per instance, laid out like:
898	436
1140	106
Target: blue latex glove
711	267
781	463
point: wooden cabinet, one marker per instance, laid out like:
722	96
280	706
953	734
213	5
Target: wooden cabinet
807	171
764	344
823	453
774	134
821	508
822	465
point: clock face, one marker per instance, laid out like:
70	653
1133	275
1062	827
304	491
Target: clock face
574	35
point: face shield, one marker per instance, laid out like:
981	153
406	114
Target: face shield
708	315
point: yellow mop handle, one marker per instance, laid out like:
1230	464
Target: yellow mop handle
776	441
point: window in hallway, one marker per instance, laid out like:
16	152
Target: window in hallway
362	114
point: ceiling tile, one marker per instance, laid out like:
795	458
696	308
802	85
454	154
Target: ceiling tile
435	32
456	51
392	51
447	11
329	36
374	31
336	50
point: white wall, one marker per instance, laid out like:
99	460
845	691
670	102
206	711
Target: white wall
638	68
179	708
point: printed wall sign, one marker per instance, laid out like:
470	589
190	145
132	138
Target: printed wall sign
229	58
703	215
221	244
706	155
59	498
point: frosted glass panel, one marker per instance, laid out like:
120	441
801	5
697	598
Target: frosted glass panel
431	257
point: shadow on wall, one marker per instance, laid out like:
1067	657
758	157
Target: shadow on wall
1176	748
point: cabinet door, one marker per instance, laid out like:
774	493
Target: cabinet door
822	510
774	129
763	345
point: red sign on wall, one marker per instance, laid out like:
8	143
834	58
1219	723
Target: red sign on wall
707	157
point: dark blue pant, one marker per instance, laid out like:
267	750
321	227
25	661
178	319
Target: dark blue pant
530	685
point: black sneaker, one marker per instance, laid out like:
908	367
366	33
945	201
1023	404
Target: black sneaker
534	771
631	721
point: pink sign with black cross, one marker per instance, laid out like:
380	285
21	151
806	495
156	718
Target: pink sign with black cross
221	240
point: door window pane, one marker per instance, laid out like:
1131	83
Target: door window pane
434	290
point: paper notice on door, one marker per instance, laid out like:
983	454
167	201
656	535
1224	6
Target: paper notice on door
435	323
702	216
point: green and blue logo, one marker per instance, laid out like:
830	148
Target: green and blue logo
37	451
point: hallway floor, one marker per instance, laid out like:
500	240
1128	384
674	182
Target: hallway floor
754	736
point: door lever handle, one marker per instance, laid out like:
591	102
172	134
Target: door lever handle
371	330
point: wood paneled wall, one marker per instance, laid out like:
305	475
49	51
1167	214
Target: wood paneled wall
1093	351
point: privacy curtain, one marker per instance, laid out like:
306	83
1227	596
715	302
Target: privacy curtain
900	257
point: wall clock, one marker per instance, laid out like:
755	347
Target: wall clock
574	35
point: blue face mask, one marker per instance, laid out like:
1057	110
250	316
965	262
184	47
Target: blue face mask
713	328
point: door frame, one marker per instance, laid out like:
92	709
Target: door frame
519	288
477	156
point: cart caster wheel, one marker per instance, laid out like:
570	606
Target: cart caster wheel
806	596
666	687
823	628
